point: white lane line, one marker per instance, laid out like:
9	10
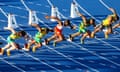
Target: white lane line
3	12
33	56
71	59
12	65
98	22
37	59
50	3
85	49
22	1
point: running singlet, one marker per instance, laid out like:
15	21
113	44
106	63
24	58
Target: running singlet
39	35
82	27
12	38
106	22
114	17
58	30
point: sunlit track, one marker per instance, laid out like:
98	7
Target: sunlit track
12	65
98	55
95	54
100	40
35	58
98	22
32	56
68	57
88	67
2	59
72	59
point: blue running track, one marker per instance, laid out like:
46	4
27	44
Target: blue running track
96	55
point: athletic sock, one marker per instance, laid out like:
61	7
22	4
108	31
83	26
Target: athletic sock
82	41
8	53
33	49
106	36
54	44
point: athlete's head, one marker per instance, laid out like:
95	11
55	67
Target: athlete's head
110	18
22	33
116	18
61	23
67	23
92	21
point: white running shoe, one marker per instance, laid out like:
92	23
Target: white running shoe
25	49
69	40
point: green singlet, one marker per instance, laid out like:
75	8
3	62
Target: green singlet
82	27
40	35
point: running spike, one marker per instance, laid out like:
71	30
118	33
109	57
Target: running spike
33	49
82	41
92	35
54	44
46	42
8	53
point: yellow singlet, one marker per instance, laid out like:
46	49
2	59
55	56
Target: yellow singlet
14	36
